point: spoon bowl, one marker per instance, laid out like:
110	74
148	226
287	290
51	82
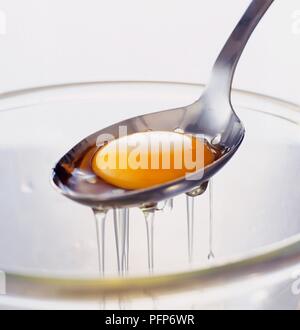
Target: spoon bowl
90	190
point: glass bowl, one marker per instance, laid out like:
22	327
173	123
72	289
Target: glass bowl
48	247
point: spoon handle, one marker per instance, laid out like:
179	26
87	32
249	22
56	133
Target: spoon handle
225	65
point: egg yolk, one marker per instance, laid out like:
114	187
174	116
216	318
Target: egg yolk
143	160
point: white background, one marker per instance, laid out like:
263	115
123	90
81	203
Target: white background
58	41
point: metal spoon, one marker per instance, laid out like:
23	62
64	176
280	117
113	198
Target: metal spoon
212	116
